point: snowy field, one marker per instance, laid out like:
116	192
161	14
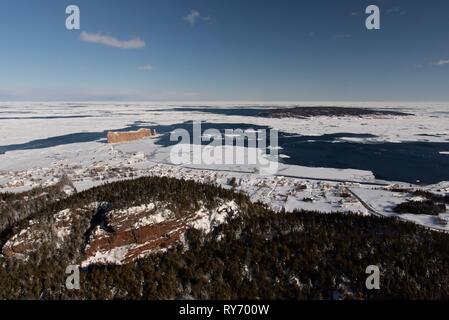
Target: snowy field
23	122
77	148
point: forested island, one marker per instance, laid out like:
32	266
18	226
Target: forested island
307	112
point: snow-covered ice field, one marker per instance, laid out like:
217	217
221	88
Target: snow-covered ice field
44	141
22	122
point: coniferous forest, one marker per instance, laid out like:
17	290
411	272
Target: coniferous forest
259	254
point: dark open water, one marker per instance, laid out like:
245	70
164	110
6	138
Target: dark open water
407	162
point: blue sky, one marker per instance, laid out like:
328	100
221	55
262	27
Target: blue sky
224	50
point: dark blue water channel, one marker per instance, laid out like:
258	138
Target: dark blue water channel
407	161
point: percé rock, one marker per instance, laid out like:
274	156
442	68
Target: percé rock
119	137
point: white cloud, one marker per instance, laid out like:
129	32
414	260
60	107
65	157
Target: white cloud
442	62
109	41
194	16
145	67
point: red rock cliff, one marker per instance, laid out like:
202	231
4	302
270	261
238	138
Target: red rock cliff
118	137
